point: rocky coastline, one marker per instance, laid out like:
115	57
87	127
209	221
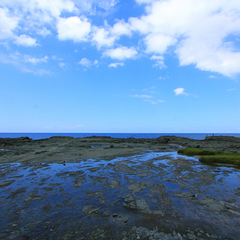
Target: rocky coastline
112	188
56	149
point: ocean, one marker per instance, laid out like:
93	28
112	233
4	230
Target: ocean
35	136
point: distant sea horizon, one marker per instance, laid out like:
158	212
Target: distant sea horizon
36	136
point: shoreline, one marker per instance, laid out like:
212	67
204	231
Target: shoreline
57	149
38	136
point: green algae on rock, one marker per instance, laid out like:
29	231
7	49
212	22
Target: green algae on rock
211	156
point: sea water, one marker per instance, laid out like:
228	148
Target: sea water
197	136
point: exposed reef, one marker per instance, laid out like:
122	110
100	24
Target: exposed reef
109	188
57	149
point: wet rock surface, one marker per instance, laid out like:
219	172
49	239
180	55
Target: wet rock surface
68	149
151	194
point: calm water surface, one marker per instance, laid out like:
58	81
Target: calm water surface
198	136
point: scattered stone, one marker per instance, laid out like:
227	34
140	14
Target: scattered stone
46	208
78	184
6	183
144	233
167	179
230	206
33	198
140	204
90	209
95	169
98	234
114	184
106	213
101	179
76	173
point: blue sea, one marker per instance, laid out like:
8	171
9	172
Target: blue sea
34	136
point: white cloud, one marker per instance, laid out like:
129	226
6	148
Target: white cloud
121	53
44	32
212	76
138	25
26	41
106	36
141	96
56	58
159	61
85	62
121	28
154	102
34	60
158	43
37	8
144	1
62	65
8	24
202	33
180	91
55	7
207	58
102	37
73	28
197	30
115	65
24	16
106	4
18	61
150	90
229	90
90	5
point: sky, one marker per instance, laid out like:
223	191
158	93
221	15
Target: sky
120	66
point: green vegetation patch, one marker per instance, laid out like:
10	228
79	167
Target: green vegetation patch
210	156
196	151
229	158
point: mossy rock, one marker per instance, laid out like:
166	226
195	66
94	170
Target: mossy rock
196	151
210	156
229	158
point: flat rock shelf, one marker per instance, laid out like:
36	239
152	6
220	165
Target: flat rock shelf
108	188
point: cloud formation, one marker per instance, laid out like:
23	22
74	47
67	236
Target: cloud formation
141	96
121	53
102	37
115	65
180	91
34	60
73	28
196	30
154	102
201	33
85	62
26	41
159	61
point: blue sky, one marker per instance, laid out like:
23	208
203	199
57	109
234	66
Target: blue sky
120	66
